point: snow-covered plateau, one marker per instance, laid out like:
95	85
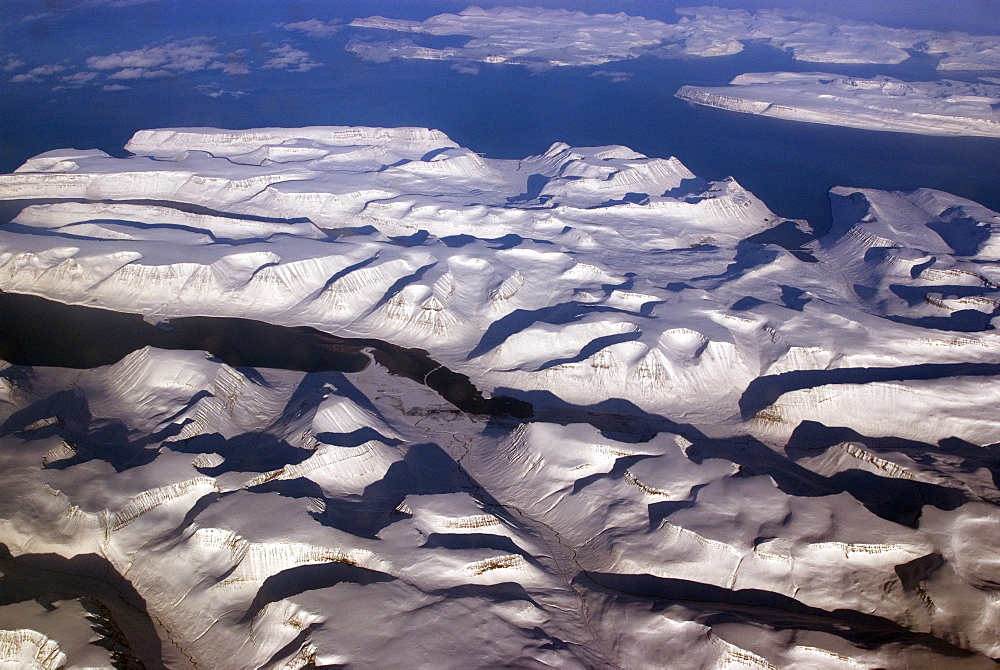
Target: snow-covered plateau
940	107
751	446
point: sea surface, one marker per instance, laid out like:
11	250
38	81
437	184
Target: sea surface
511	112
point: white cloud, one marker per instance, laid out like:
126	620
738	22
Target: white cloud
113	3
313	27
60	9
614	75
234	64
46	70
191	55
36	74
232	68
79	78
216	91
10	62
115	87
465	68
140	73
287	57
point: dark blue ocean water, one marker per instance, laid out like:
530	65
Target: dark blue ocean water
504	111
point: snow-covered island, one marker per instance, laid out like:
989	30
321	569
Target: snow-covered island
940	107
750	447
559	37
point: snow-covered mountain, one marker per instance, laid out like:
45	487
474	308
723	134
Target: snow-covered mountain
749	445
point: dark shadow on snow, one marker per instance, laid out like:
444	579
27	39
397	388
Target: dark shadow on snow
764	391
49	578
39	332
765	608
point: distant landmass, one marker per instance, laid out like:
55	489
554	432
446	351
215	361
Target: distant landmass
883	103
560	37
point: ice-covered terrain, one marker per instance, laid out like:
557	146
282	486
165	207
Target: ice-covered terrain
535	36
882	103
363	522
585	273
750	447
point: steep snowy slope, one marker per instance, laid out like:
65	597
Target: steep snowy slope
361	521
749	446
586	273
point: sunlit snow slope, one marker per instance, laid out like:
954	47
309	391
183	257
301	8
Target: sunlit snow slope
750	447
585	273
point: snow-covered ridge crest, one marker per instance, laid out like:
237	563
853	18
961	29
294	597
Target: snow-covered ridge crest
587	273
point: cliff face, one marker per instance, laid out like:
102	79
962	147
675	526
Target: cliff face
734	104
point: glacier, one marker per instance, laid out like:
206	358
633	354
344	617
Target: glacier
750	444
